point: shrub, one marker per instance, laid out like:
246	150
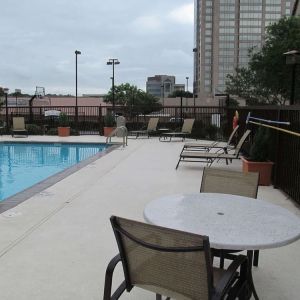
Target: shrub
109	120
34	129
259	150
63	120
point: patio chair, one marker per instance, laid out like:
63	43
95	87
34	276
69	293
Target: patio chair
210	157
185	131
120	131
216	144
19	127
230	182
172	263
151	128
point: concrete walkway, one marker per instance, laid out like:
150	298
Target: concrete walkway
56	245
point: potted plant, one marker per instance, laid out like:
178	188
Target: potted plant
258	161
63	128
109	124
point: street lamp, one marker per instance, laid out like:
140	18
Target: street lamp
77	52
5	90
293	58
113	62
163	93
187	89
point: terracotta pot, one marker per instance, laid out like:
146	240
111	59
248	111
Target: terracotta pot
63	131
108	130
264	169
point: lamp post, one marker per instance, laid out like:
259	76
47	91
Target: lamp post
5	90
113	62
163	93
293	58
77	52
187	89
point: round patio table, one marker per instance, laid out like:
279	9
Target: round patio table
231	222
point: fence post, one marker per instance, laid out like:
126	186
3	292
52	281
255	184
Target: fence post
99	118
277	152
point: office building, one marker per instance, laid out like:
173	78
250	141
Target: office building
162	86
224	32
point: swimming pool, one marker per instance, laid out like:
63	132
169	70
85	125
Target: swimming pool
23	165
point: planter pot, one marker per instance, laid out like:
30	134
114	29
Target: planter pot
63	131
108	130
263	168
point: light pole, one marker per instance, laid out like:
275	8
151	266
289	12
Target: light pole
5	90
77	52
293	58
163	93
187	89
113	62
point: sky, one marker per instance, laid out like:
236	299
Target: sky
39	39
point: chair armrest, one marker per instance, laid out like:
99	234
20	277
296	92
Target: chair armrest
224	283
108	280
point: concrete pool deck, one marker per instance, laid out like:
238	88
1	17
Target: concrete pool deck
56	245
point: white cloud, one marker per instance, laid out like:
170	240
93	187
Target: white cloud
183	14
146	23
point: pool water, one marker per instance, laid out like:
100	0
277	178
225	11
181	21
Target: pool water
22	165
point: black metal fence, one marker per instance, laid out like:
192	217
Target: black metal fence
285	148
210	122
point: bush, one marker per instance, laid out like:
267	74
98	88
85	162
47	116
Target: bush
259	150
52	131
109	120
63	120
34	129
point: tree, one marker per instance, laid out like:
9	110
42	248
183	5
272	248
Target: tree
129	96
267	79
185	94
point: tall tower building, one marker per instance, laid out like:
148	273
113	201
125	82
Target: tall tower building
224	31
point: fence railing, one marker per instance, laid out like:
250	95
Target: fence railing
210	122
285	148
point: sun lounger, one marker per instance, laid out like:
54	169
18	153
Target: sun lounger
209	145
210	157
151	128
19	126
185	131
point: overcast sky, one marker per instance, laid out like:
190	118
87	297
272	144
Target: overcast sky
39	37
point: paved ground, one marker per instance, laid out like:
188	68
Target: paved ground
56	245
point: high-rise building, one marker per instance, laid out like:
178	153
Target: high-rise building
224	32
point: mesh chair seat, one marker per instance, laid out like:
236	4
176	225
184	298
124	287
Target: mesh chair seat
169	262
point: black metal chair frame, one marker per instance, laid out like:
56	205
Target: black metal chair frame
225	285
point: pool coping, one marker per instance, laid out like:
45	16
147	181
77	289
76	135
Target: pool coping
22	196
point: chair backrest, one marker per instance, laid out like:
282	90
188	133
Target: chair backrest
187	125
165	261
121	121
232	135
18	123
241	142
152	124
229	182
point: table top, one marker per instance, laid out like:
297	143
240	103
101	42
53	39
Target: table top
230	222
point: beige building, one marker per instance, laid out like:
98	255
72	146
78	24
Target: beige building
224	31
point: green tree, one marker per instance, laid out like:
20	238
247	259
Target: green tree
185	94
129	95
268	79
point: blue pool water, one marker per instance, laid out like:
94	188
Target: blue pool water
24	164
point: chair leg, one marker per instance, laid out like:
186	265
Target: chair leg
221	259
255	258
